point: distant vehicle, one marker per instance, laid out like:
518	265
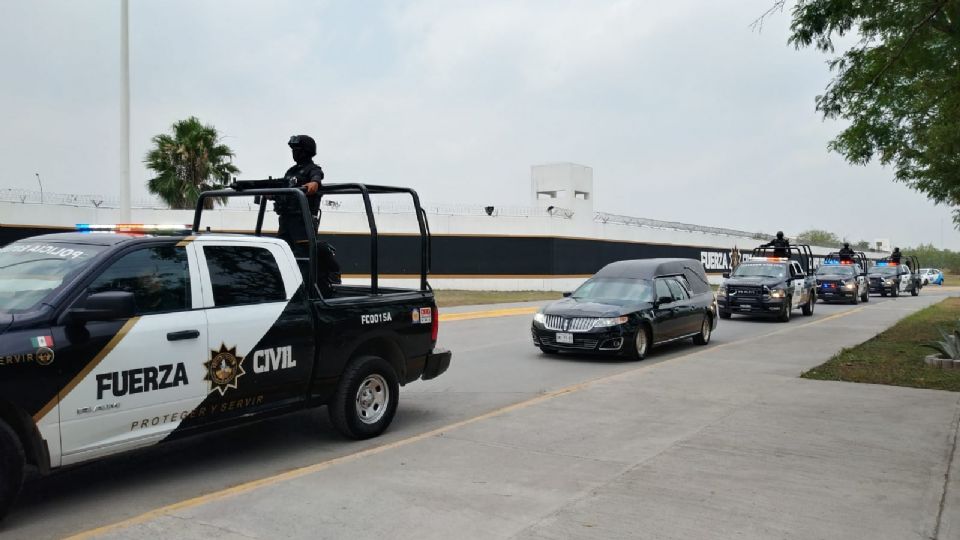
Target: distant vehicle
628	307
770	286
888	277
931	276
842	280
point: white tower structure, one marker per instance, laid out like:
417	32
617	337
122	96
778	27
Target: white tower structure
565	186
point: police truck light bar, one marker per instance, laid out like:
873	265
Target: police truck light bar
136	228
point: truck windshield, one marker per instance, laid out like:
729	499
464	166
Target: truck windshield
836	270
31	270
638	290
760	270
885	270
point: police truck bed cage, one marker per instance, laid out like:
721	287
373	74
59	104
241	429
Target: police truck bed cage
802	253
260	189
858	257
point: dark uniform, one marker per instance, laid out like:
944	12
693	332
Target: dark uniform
291	221
846	252
780	245
895	256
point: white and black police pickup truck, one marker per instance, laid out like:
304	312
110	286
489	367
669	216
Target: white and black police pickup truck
773	282
111	341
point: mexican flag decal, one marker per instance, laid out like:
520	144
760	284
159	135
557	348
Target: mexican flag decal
42	341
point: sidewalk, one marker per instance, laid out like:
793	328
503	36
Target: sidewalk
726	442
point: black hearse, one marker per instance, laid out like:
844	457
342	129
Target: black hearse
629	306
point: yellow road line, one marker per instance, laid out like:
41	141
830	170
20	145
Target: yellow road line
506	312
252	485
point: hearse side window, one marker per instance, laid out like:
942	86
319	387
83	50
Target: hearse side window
663	291
677	290
243	275
158	277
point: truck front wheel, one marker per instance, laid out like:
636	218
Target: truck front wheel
366	398
11	468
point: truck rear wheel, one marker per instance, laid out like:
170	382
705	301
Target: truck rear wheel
366	398
807	308
11	468
914	291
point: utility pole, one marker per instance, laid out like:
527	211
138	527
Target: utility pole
41	200
125	111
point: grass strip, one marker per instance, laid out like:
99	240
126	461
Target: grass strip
895	356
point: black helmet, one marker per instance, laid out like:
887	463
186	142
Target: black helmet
896	250
305	143
846	245
779	234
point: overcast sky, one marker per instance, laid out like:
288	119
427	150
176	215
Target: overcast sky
684	112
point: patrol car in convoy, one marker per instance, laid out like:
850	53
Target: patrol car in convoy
843	279
888	277
111	341
769	284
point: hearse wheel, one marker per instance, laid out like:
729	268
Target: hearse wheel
706	329
641	343
366	398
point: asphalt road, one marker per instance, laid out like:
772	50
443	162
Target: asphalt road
494	365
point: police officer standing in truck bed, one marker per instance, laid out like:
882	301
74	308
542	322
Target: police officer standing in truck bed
305	174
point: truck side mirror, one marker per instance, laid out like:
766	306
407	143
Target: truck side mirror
567	294
726	275
105	306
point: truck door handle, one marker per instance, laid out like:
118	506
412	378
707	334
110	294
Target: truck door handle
182	335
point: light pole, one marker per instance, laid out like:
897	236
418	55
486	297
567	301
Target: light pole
125	111
41	190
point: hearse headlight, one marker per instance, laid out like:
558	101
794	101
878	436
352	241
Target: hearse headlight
604	322
539	318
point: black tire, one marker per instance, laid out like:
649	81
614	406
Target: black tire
640	345
11	468
865	297
883	292
366	398
915	290
895	292
548	350
785	309
855	299
725	314
807	308
706	330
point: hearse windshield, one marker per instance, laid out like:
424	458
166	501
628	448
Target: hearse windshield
32	270
638	290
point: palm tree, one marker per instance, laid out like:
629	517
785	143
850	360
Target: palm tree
188	162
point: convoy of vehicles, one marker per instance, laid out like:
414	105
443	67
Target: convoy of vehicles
628	307
120	339
770	284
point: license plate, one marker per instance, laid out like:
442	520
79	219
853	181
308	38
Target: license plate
565	338
745	308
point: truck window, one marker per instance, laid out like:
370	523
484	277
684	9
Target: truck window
158	277
243	275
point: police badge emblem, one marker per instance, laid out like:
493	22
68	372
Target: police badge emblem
223	369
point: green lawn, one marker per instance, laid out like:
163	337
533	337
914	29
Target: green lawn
446	298
895	357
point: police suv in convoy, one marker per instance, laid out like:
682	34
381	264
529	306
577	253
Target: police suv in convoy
111	341
891	277
843	279
767	285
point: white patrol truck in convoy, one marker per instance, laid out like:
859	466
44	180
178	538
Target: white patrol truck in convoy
119	339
